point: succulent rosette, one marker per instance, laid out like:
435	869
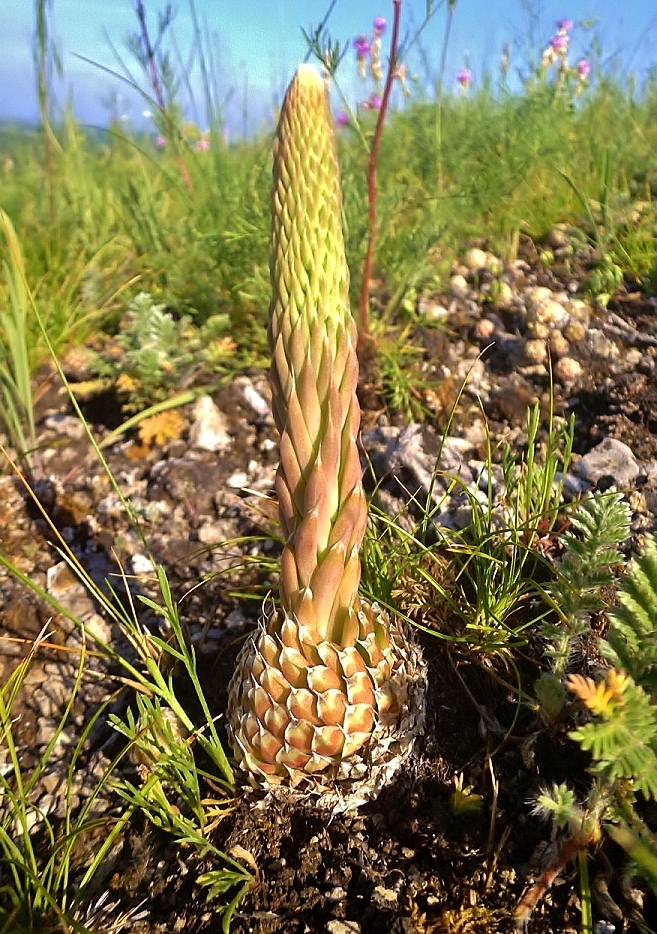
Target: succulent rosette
328	693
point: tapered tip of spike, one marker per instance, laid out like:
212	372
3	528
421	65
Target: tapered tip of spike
308	77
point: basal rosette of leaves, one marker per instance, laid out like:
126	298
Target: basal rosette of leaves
329	689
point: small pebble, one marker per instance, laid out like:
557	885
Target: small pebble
209	430
600	345
537	296
550	313
535	351
342	927
558	345
141	565
558	237
484	329
458	285
337	894
475	259
432	311
567	369
575	331
68	425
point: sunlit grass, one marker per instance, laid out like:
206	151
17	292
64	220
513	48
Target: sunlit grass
124	222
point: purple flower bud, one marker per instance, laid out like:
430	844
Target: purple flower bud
362	46
373	102
583	69
379	26
559	43
342	118
464	77
160	141
564	25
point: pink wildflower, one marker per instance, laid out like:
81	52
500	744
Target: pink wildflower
564	25
373	102
202	145
160	141
362	46
559	43
464	77
342	118
583	69
379	26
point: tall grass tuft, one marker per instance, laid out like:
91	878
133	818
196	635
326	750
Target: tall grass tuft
15	353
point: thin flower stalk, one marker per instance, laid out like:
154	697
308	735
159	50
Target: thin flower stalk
364	302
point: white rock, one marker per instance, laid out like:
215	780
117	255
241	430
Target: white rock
209	431
342	927
537	296
475	259
458	285
68	425
432	310
98	628
632	358
142	566
211	533
610	458
600	345
238	480
253	398
550	313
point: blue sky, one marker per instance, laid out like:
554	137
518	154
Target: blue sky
257	43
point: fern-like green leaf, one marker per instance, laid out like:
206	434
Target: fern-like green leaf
631	642
601	523
623	742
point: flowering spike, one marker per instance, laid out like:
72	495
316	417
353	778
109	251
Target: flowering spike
310	315
314	658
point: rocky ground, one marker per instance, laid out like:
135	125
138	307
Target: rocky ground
406	862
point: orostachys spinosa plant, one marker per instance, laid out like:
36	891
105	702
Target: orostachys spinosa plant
328	694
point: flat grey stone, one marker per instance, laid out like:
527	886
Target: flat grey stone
610	458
